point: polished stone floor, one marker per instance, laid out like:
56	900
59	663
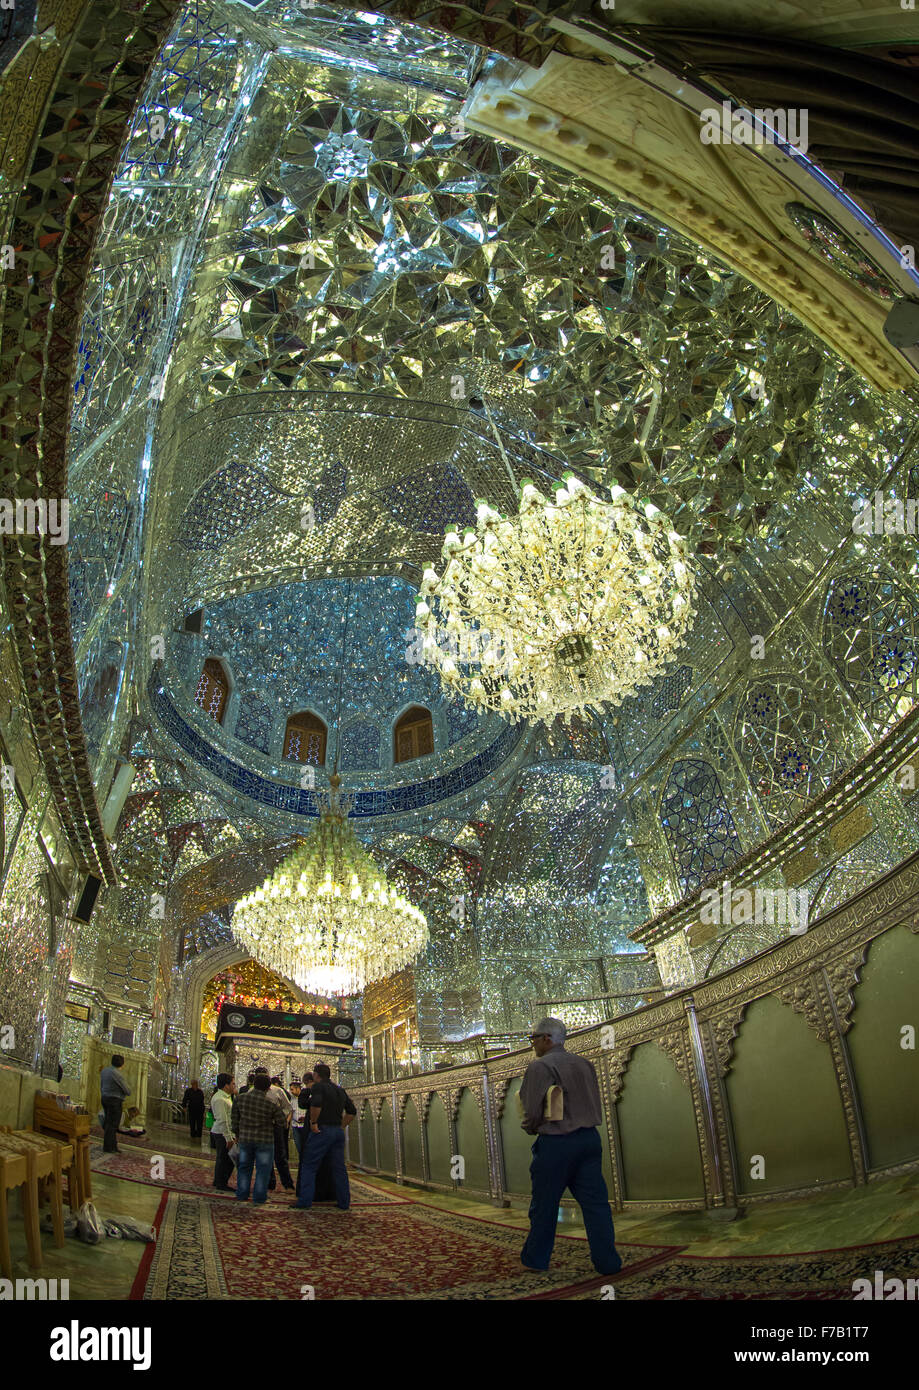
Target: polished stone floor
884	1210
103	1271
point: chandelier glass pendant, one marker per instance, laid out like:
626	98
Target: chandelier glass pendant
574	602
327	918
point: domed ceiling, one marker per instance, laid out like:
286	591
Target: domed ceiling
334	647
324	318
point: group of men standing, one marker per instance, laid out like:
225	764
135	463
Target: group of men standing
560	1107
257	1120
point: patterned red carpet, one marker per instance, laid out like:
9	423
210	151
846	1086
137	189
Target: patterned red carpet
186	1174
395	1248
399	1251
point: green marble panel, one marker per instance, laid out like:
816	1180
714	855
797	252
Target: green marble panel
411	1143
517	1145
660	1146
368	1139
386	1139
785	1103
886	1071
471	1145
438	1141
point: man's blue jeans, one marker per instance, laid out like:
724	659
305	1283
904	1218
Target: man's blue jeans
574	1161
330	1140
297	1134
262	1155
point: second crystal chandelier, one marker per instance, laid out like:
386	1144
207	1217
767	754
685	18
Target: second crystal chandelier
572	603
327	918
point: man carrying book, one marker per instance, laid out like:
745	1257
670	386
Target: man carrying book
560	1101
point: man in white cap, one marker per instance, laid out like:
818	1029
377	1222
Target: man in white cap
568	1151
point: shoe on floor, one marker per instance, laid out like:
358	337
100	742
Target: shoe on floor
533	1269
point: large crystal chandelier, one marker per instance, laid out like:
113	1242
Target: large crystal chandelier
327	918
574	602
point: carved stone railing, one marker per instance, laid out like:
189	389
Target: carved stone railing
426	1129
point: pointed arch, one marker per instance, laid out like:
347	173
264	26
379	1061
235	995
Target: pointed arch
697	822
871	636
213	689
305	739
413	734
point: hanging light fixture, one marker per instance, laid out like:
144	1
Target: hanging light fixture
327	918
574	602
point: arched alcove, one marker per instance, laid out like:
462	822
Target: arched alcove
386	1138
883	1049
470	1143
412	1161
213	689
413	735
787	1115
305	739
368	1137
657	1127
438	1134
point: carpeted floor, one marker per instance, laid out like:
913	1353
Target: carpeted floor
403	1251
817	1274
399	1247
407	1251
184	1174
